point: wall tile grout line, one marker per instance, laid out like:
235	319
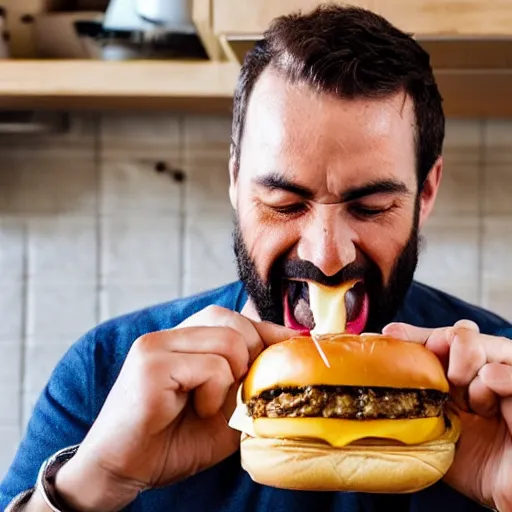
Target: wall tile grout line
481	184
98	169
24	326
182	206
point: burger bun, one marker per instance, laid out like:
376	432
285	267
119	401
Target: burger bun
359	467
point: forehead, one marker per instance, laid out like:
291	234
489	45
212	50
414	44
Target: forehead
292	129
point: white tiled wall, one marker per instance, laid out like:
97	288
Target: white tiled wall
89	230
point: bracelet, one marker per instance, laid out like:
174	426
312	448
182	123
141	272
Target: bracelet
19	501
46	479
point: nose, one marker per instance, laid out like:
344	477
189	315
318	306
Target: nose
327	241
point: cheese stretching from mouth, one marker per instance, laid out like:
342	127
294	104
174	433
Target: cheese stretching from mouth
328	306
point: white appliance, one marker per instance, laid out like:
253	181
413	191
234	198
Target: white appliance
150	16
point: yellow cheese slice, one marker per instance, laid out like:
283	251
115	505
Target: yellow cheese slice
327	304
339	433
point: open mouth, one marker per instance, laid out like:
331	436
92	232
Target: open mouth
298	314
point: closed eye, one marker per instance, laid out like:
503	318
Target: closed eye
365	212
292	209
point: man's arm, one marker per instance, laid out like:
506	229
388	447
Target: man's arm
61	418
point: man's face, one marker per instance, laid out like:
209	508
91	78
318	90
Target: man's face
326	191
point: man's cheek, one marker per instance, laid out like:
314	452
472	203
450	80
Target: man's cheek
384	254
269	245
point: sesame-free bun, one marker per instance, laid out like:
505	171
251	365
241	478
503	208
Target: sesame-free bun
329	454
383	467
364	360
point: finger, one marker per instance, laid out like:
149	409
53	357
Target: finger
412	333
497	349
217	316
230	403
467	324
271	333
207	375
467	356
209	398
498	377
422	335
224	342
506	412
482	400
407	332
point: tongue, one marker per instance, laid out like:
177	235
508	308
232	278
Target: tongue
303	314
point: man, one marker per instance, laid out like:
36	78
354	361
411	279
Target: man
335	166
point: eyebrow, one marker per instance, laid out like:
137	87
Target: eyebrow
276	182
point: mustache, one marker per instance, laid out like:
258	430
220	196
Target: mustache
302	269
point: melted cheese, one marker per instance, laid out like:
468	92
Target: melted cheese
336	432
328	306
339	433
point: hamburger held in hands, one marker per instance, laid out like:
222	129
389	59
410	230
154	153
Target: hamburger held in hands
335	411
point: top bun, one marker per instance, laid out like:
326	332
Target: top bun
371	360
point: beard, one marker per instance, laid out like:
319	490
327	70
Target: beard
385	299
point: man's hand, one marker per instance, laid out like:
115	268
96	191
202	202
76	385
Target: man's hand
166	416
479	369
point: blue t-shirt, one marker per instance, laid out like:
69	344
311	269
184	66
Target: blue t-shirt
81	381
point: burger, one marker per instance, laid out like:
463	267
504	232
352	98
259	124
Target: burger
346	412
377	419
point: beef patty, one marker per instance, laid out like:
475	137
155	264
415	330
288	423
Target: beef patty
345	402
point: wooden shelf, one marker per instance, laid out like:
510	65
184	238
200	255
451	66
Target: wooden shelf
470	44
198	86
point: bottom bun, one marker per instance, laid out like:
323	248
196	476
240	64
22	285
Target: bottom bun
372	468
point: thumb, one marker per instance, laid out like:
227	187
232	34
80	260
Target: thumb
407	332
272	333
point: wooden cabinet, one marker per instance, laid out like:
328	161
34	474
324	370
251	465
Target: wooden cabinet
450	18
421	17
469	41
253	16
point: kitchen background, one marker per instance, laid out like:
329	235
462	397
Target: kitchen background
124	211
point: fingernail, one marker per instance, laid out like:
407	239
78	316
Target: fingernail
396	330
467	324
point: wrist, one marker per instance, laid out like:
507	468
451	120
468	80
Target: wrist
85	487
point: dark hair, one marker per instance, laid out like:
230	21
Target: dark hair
352	53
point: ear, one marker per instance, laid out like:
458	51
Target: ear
233	179
429	191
